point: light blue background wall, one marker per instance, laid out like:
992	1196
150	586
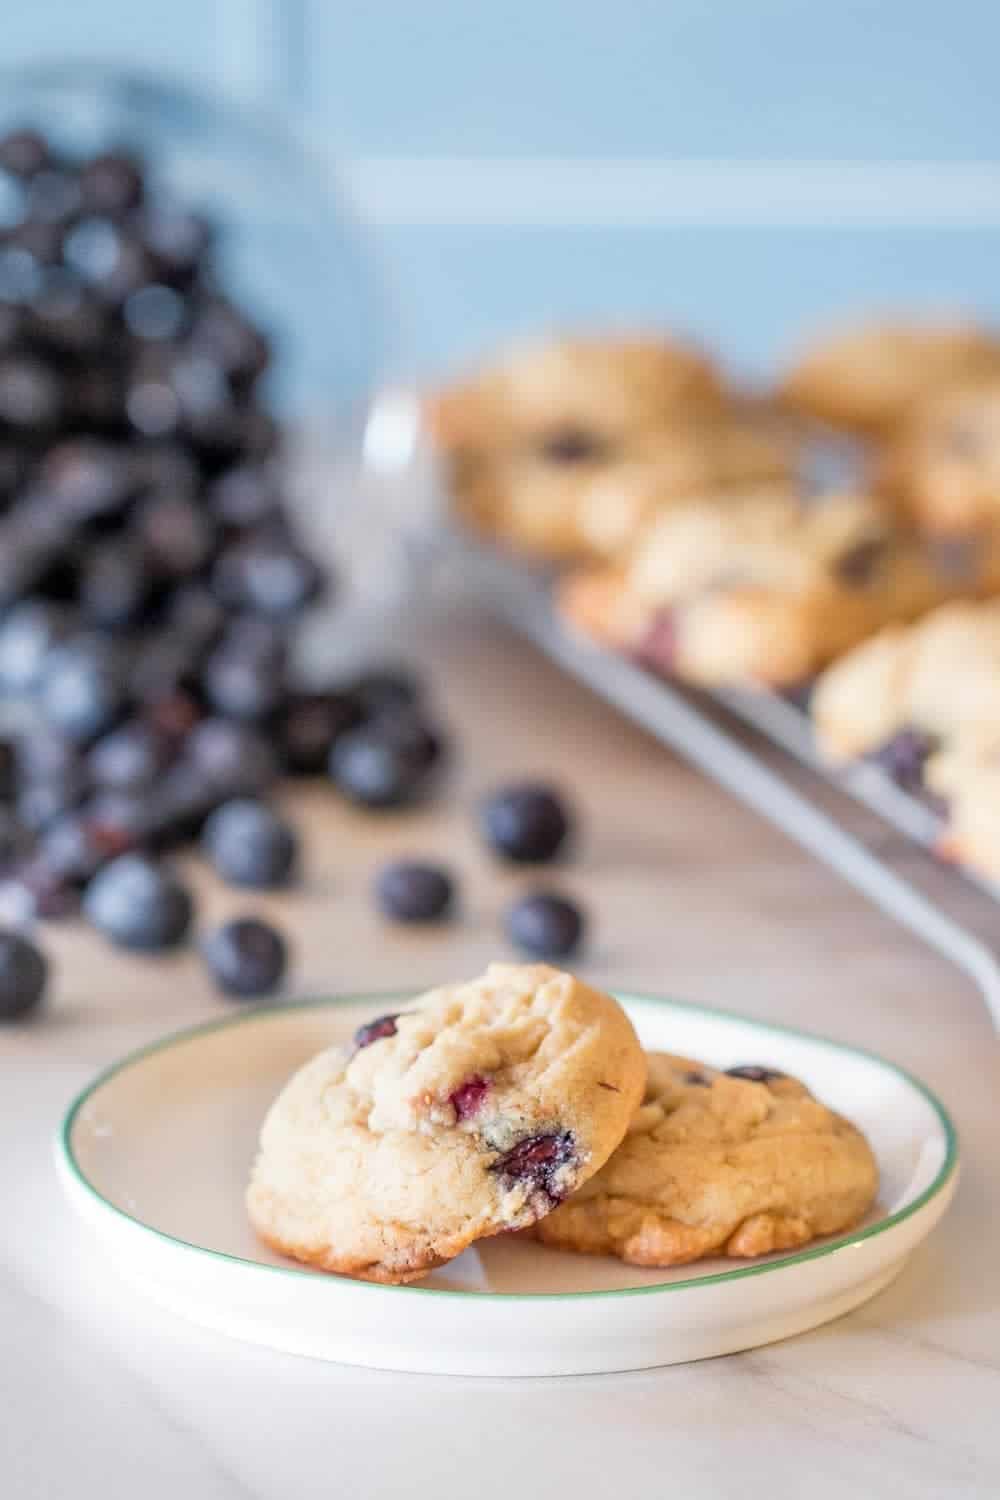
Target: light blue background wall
542	110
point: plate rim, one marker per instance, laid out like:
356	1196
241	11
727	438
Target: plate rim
67	1160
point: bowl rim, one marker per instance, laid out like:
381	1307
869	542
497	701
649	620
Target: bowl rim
67	1160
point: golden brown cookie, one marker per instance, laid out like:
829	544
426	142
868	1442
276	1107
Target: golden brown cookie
561	449
736	1163
474	1110
866	378
942	469
931	681
767	592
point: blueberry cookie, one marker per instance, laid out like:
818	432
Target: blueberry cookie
736	1163
942	469
964	776
476	1109
767	591
908	690
543	442
866	379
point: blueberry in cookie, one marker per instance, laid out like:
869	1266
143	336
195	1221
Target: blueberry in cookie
474	1109
735	1163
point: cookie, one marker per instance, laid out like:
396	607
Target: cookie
542	444
768	591
942	470
964	776
931	682
865	379
737	1163
474	1110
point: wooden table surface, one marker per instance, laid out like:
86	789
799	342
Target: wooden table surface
687	894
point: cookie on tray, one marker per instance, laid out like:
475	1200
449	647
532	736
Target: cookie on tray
964	776
737	1163
909	689
942	469
476	1109
865	379
544	440
766	592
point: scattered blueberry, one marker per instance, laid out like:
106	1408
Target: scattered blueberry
23	972
527	823
250	844
410	892
245	957
138	904
81	692
545	926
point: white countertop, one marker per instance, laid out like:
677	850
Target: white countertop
104	1395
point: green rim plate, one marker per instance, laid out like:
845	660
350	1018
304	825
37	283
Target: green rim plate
64	1145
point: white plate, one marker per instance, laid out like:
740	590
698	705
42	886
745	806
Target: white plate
155	1155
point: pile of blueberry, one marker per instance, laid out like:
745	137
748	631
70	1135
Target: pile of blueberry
151	581
150	578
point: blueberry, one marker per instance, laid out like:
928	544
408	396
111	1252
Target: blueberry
904	757
23	972
250	844
63	316
87	479
41	753
260	574
194	615
81	692
154	312
412	736
138	904
242	685
27	635
30	394
115	585
246	495
374	1031
527	823
232	757
545	926
92	249
231	339
755	1073
383	690
11	838
176	238
23	152
31	890
410	892
536	1161
130	758
177	536
310	726
40	802
53	196
111	183
246	957
375	771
